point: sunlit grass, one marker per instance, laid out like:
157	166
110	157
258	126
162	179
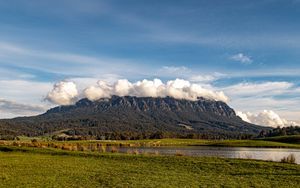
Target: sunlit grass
38	167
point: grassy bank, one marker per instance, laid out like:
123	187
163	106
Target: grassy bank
291	139
37	167
195	142
272	142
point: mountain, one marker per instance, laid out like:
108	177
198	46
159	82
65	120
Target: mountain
136	117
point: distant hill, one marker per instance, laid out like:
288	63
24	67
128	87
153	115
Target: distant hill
136	117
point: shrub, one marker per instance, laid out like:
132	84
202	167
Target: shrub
74	148
66	147
114	149
82	148
133	151
7	137
289	159
179	153
93	147
103	148
35	143
136	152
16	144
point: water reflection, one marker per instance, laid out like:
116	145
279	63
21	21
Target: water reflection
273	154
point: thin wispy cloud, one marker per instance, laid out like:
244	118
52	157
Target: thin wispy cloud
11	109
174	70
242	58
19	107
66	63
203	78
263	88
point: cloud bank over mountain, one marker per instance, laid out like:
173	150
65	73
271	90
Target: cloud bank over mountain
69	91
65	92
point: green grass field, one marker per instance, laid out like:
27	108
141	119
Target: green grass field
38	167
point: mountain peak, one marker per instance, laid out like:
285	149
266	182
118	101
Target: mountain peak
152	104
141	116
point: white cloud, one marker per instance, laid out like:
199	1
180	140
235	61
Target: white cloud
240	57
265	118
63	93
178	88
83	82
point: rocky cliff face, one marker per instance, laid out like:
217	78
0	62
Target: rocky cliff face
146	104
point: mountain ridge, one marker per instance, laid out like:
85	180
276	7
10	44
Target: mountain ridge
139	116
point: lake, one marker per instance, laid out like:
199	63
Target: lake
274	154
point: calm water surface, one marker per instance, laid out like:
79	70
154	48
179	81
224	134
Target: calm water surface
274	154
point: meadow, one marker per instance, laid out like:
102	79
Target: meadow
48	167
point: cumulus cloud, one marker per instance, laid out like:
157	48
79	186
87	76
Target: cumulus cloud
101	90
178	88
63	93
266	118
242	58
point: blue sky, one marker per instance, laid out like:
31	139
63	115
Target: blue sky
235	45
